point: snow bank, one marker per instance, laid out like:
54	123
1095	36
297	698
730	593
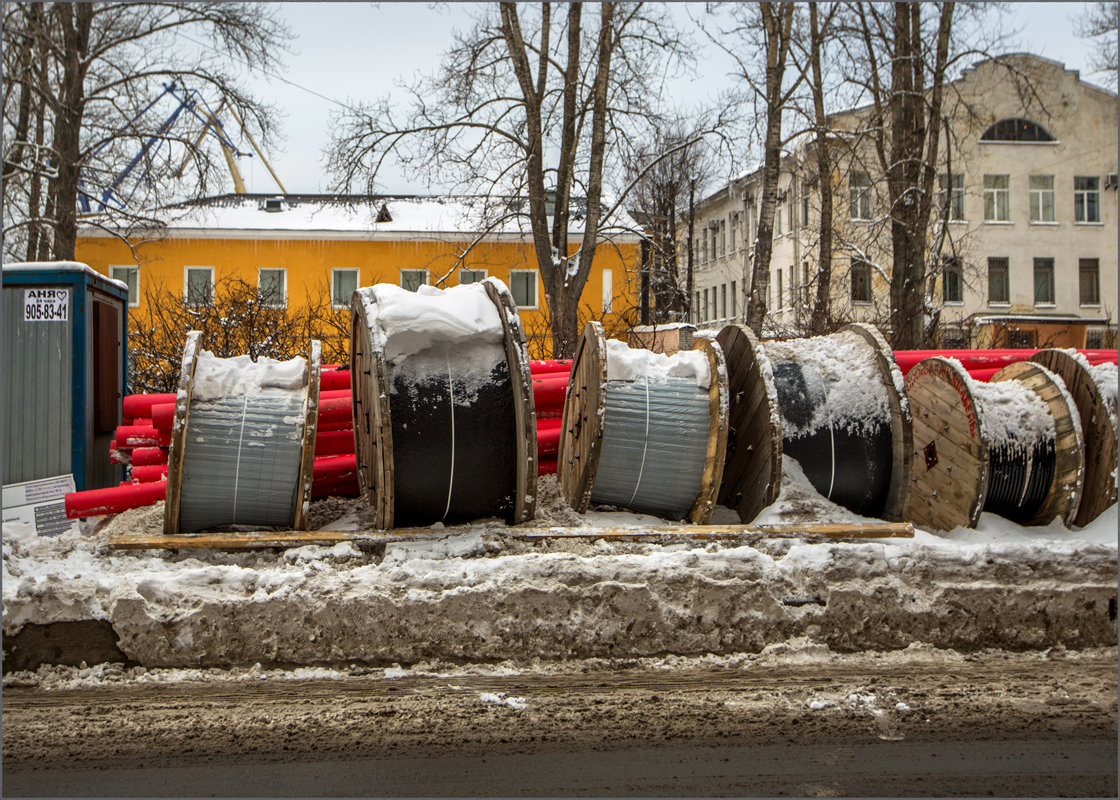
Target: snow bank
629	364
215	378
1012	415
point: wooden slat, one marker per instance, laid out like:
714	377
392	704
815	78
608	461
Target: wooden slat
951	493
256	540
373	429
577	460
307	445
712	476
174	497
752	474
1098	433
1064	495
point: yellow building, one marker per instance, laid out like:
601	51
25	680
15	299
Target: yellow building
300	249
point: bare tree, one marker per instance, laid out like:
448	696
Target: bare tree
1100	23
529	106
660	202
79	76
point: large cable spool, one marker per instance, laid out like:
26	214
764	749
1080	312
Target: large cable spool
444	424
1098	431
752	471
1011	446
242	441
651	443
845	418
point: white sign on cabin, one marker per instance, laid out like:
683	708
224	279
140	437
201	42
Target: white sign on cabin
40	504
46	305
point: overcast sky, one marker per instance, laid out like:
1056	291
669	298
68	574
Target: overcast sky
352	51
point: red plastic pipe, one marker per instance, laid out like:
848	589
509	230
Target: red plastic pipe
149	473
333	469
163	416
336	425
345	488
329	443
333	380
130	436
146	456
334	408
546	466
984	375
115	499
140	405
550	366
333	394
548	439
549	390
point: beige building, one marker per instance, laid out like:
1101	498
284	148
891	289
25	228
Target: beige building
1027	250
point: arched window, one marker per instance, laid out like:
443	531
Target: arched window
1016	130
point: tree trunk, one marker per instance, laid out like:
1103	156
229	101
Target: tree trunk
821	320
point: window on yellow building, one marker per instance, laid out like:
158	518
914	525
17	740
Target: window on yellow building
861	281
131	276
272	286
523	287
608	291
344	282
471	276
413	279
198	286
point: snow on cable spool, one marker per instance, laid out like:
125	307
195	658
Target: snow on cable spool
242	441
644	431
1011	446
845	417
1093	392
444	424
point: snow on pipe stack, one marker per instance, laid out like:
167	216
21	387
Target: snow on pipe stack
644	431
1011	446
841	412
444	422
1093	389
242	441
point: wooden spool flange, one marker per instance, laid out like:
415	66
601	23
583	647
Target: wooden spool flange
1069	450
581	439
752	473
902	426
176	452
949	473
1098	432
373	430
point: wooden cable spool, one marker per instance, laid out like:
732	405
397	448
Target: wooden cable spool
405	433
856	454
752	472
1098	432
953	452
593	400
234	465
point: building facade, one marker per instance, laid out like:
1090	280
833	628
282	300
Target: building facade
1022	240
300	249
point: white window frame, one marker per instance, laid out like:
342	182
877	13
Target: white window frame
536	287
1038	200
608	291
1007	278
956	197
1081	201
1053	283
859	197
862	264
781	296
283	286
134	270
335	271
472	269
992	196
1097	283
958	270
423	282
186	284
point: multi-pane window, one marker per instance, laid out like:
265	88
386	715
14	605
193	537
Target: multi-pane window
781	294
861	281
997	198
722	237
696	308
952	290
1086	198
272	286
344	282
1089	277
131	277
956	195
471	276
704	318
715	236
704	248
413	279
1044	281
1094	338
734	227
198	286
778	220
999	286
805	283
804	210
860	187
723	300
1042	198
608	291
523	287
734	310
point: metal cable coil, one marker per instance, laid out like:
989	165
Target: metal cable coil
655	441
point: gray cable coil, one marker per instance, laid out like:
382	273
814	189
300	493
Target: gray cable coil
654	446
241	460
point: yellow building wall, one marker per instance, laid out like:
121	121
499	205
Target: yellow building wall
309	263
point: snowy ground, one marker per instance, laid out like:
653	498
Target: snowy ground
483	597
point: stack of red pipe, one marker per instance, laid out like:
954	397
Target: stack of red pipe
981	365
143	439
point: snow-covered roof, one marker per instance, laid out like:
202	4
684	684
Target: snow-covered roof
61	266
367	216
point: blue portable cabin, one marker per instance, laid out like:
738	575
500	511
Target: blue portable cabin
64	340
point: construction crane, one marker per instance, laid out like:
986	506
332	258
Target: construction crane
192	102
